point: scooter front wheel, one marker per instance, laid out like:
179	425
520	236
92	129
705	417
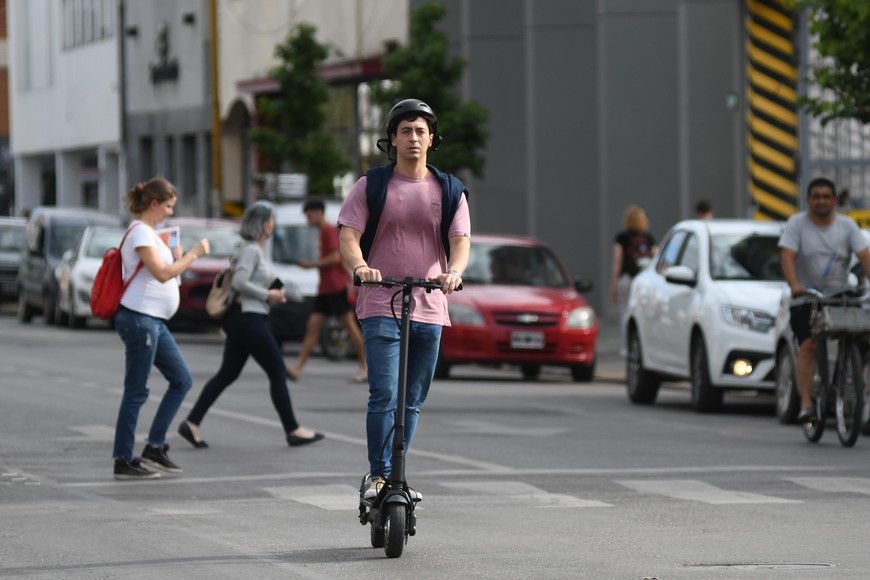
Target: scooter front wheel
377	534
394	530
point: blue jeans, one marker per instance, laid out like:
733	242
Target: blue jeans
381	337
148	343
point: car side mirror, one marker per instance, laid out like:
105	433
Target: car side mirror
681	275
67	256
583	285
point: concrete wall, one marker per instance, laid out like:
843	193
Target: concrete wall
598	104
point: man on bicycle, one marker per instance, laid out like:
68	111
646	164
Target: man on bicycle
816	247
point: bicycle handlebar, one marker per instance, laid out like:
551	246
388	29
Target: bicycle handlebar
818	296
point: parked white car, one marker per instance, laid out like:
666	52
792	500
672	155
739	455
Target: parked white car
704	311
77	270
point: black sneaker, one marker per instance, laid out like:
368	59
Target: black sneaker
126	470
156	457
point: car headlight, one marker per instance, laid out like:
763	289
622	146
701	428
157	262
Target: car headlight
464	315
581	318
748	319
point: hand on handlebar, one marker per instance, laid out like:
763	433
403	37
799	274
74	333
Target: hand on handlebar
798	290
366	274
449	282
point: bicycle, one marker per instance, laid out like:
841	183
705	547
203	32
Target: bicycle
843	321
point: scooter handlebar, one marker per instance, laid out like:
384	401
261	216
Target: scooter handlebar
390	282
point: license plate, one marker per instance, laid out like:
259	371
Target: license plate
527	340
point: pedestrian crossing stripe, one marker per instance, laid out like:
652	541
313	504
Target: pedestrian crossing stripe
695	490
327	497
835	484
517	490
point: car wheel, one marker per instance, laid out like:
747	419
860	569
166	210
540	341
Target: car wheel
442	368
865	417
60	317
705	397
788	400
583	373
74	320
530	372
642	385
25	310
48	308
334	340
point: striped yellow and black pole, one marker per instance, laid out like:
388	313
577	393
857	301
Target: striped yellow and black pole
772	118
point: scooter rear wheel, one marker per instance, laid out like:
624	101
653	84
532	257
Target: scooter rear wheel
394	530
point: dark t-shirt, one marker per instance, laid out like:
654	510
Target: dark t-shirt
635	245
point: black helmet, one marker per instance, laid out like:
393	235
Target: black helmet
409	108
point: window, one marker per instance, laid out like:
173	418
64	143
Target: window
87	21
671	251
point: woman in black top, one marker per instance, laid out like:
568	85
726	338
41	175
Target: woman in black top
633	248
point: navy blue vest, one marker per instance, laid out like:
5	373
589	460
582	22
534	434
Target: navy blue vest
377	179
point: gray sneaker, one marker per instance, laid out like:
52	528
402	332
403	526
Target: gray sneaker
377	482
127	470
156	457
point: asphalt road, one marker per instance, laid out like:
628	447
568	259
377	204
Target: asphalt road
546	479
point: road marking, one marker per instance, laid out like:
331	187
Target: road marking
95	433
484	428
327	497
835	484
694	490
517	490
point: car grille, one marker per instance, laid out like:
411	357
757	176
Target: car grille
8	273
527	319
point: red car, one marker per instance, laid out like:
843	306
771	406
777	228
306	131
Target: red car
519	306
224	240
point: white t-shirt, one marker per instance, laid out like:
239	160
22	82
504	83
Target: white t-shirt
146	294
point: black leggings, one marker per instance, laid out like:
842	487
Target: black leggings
247	335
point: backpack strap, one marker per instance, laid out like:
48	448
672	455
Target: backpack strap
139	266
377	179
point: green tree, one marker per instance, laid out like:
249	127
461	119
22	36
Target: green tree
424	70
841	31
294	136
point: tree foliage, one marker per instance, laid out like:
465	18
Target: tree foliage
294	135
425	70
841	29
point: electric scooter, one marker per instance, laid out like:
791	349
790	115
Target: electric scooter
391	512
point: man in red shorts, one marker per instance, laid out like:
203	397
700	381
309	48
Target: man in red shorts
331	297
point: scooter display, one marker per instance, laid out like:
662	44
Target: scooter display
391	512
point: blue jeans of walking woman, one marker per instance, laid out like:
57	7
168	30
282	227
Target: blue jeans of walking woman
148	344
382	340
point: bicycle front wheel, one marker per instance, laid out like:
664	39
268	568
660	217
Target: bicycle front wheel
813	430
849	401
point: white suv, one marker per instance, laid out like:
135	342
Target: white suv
704	311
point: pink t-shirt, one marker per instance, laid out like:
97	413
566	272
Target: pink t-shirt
407	243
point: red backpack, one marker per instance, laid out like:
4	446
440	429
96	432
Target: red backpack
109	285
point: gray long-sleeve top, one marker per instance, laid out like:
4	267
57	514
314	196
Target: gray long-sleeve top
252	275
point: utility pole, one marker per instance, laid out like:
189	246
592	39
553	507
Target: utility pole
216	168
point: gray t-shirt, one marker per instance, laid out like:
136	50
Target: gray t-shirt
823	253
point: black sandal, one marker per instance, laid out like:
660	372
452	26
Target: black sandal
187	434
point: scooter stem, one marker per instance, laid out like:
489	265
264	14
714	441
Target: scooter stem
397	472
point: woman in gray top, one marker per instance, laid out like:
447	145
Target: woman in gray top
247	334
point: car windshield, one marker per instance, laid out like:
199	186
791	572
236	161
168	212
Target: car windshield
11	237
101	241
222	242
294	243
745	257
514	266
66	237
